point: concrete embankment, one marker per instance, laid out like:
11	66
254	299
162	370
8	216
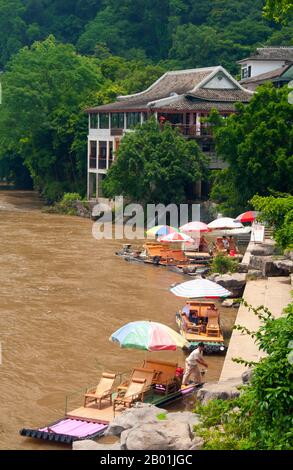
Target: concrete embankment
273	293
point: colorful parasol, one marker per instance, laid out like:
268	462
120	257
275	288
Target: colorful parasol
161	230
248	216
148	336
200	288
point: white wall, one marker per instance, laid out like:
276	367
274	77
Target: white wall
258	66
224	83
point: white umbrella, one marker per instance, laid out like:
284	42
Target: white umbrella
199	288
224	223
176	238
195	226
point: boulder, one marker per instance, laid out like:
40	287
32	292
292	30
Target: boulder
224	390
162	435
235	282
285	267
264	249
141	413
92	445
255	274
81	210
228	303
246	376
270	266
242	268
187	417
189	269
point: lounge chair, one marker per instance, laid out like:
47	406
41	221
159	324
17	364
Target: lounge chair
103	390
165	379
135	392
213	327
139	373
189	326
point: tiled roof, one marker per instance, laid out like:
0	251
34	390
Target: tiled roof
177	82
183	103
267	76
271	53
232	95
170	91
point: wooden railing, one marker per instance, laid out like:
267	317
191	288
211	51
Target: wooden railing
193	130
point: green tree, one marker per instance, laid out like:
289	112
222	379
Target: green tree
12	28
257	145
155	165
278	213
279	10
45	90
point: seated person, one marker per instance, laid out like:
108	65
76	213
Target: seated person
193	317
203	245
226	243
232	244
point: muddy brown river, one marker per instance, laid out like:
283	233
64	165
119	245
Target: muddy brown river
63	294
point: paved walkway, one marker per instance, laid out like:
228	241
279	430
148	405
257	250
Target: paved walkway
275	294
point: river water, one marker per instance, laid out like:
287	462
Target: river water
62	295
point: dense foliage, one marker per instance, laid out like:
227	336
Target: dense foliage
278	213
188	33
42	121
262	417
155	165
280	10
258	145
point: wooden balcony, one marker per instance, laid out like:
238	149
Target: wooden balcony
194	130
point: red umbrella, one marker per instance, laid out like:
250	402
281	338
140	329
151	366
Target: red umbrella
248	216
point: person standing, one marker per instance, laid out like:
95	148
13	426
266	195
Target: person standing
192	363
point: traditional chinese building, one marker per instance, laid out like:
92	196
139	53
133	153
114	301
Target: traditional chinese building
182	97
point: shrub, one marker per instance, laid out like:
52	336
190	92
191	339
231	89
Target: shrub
223	264
262	417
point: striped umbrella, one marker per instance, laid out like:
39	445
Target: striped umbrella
176	237
195	226
161	230
199	288
248	216
148	336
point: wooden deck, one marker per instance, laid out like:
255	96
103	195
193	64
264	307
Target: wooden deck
193	337
104	415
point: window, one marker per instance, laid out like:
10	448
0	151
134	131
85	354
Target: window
93	121
132	119
144	117
104	120
246	72
110	153
93	154
117	120
102	154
